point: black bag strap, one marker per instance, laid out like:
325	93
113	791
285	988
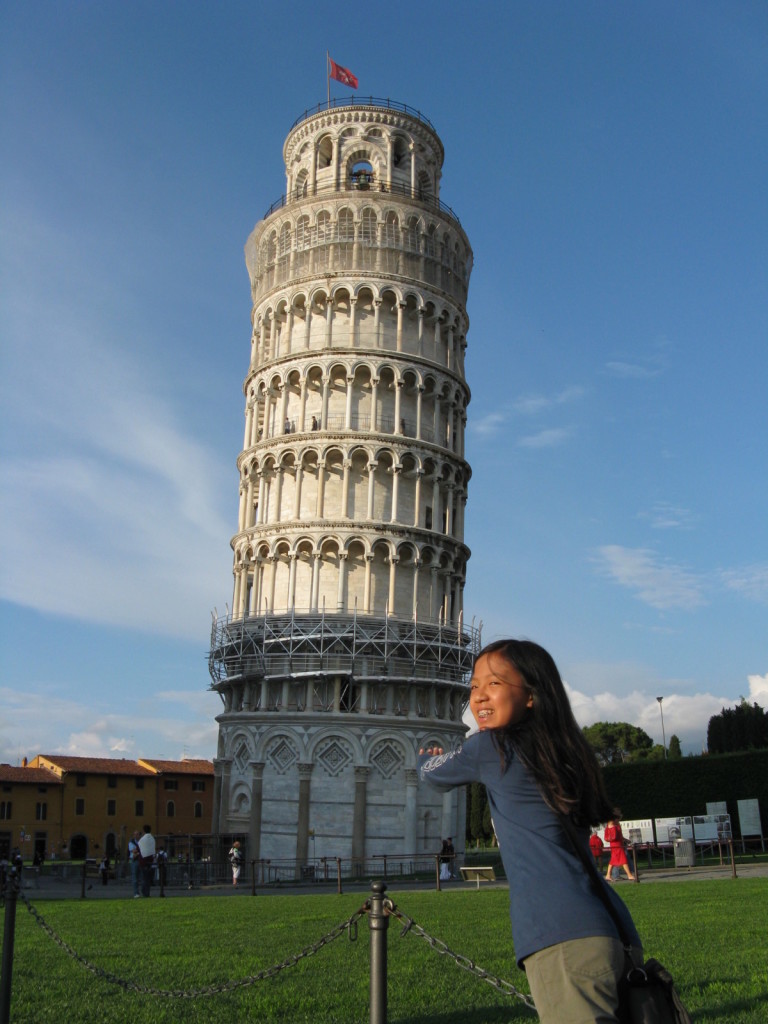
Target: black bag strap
595	877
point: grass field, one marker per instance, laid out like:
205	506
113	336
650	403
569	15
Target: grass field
712	935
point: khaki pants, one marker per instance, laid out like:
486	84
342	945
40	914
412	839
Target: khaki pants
576	982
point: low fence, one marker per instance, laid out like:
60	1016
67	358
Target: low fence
378	909
265	873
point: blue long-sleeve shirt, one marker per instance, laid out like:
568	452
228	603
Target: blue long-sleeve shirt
550	893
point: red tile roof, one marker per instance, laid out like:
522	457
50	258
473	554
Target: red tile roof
40	776
92	765
187	766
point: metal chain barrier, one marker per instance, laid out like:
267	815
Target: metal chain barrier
409	925
349	926
386	908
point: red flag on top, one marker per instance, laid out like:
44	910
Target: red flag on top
343	75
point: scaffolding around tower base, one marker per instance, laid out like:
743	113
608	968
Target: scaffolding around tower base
268	648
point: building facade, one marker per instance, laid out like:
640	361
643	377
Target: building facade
346	648
76	807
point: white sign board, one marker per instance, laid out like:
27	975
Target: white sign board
669	830
717	807
712	828
638	832
749	818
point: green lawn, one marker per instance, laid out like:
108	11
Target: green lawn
710	934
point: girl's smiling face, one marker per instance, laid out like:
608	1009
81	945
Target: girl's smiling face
499	695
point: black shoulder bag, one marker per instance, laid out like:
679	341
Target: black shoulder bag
647	994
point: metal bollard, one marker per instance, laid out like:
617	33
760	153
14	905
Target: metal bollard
733	860
437	872
82	883
11	895
378	922
338	876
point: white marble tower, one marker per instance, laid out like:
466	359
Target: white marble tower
346	648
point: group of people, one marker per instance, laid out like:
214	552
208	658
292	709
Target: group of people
546	791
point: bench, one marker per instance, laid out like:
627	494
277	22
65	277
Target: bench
478	874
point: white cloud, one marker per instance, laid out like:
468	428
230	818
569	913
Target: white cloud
123	523
750	581
665	516
526	405
660	584
489	424
758	690
631	371
530	405
551	438
39	722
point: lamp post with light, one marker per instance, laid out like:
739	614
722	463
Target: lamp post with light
663	734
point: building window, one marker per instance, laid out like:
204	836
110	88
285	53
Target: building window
79	806
139	783
198	809
111	808
80	780
170	809
171	784
42	789
6	809
198	785
112	782
139	808
41	811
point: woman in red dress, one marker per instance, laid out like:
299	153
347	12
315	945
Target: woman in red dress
615	838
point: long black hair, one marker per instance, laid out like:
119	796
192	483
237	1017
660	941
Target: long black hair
548	739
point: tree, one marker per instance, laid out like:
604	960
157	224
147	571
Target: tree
616	742
744	727
675	750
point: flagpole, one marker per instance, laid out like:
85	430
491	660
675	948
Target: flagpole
328	76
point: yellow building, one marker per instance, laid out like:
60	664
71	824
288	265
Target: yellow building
75	807
30	810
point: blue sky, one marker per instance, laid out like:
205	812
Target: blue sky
608	164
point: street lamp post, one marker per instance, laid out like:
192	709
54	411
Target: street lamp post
663	734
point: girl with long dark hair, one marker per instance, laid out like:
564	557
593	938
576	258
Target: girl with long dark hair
539	772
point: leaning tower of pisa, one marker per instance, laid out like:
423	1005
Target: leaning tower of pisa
347	647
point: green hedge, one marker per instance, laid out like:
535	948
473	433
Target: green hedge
665	789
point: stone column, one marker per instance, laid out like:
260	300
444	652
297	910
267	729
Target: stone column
411	819
397	427
292	580
254	824
359	815
347	465
392	571
367	590
223	809
342	580
303	403
371	470
324	413
393	517
302	825
374	396
348	406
